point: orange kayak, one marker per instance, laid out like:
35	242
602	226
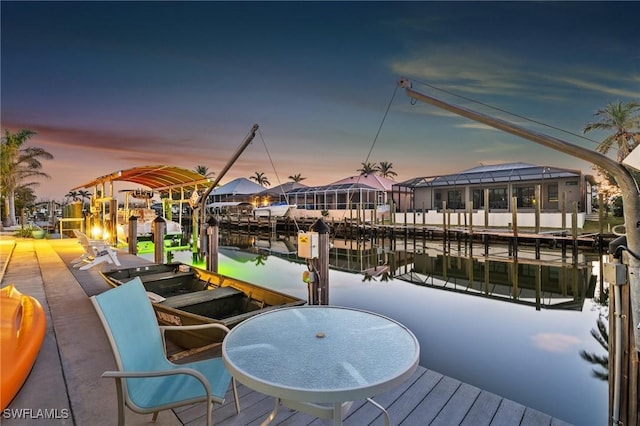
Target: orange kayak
22	330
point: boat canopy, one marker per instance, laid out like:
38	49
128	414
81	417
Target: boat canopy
157	177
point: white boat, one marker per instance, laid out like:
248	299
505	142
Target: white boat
276	245
273	210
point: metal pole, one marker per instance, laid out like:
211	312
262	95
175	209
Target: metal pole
628	186
203	198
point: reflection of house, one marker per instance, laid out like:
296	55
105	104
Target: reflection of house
539	283
355	192
496	185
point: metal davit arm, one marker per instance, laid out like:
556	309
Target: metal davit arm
630	196
203	198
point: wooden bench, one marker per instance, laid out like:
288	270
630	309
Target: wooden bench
159	276
203	296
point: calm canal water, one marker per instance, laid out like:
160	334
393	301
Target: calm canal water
521	341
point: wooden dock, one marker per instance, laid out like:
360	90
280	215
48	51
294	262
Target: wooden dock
66	377
354	229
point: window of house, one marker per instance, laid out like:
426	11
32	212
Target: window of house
454	199
525	196
552	193
477	195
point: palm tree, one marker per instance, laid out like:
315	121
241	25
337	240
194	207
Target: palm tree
621	118
84	195
260	179
18	164
297	178
204	171
384	169
74	195
368	169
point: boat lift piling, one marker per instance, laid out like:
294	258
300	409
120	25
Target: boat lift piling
159	229
212	244
133	235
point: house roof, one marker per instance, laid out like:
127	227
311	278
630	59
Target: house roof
157	177
510	172
371	180
239	186
276	191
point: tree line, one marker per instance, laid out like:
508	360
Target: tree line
21	165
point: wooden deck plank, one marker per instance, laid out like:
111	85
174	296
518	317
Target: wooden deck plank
483	409
428	409
427	398
509	413
458	406
534	417
402	407
365	413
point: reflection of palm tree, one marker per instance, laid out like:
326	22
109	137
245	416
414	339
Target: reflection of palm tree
261	259
602	336
367	277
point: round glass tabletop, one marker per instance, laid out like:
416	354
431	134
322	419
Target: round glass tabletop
321	353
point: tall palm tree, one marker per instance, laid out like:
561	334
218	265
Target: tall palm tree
83	194
74	195
260	179
17	165
204	171
297	178
622	119
384	170
368	169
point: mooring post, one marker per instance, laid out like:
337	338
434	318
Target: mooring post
212	244
159	228
133	235
322	262
514	203
574	231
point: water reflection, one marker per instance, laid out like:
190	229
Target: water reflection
523	329
601	335
540	280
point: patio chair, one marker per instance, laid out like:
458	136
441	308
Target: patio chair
95	252
146	381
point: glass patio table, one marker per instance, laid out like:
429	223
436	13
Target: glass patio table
318	359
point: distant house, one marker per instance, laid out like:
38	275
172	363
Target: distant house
355	192
233	196
275	194
501	188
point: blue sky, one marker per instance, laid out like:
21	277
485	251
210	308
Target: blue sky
114	85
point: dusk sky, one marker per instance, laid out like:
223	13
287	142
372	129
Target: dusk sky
114	85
